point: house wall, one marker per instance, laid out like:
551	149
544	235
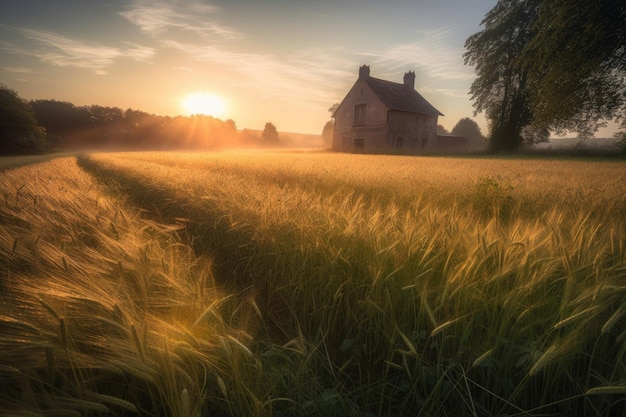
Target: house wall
418	132
372	132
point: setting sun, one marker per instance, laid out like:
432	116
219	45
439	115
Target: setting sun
204	103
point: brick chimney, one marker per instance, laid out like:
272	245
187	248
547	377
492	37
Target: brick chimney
364	71
409	79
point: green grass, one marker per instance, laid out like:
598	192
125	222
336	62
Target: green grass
314	284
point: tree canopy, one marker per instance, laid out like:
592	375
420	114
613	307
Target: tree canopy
577	64
20	132
546	65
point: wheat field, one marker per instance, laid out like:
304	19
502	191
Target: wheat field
312	284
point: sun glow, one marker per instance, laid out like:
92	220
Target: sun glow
204	103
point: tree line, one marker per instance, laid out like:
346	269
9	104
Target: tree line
549	65
69	126
40	126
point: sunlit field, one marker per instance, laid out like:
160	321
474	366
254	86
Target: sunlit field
312	284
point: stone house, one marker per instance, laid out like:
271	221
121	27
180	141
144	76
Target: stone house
383	116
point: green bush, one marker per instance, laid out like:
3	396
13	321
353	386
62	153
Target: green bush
20	132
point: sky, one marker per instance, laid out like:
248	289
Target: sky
280	61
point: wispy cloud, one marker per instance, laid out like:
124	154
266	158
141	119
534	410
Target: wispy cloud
305	76
62	51
18	70
159	18
432	54
308	76
448	92
138	52
20	73
59	50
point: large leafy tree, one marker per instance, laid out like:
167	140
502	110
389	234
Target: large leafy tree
576	64
549	65
20	132
501	87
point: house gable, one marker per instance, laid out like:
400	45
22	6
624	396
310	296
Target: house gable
361	93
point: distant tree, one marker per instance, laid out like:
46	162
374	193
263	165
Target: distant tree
621	142
442	130
231	125
501	88
332	109
135	117
470	130
105	116
60	117
270	134
576	63
327	133
139	128
20	133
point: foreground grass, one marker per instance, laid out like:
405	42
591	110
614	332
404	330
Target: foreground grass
350	285
103	311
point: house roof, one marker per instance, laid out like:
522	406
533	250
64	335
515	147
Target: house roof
401	97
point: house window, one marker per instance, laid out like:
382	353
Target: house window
399	142
358	145
359	115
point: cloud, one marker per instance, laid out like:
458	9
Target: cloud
63	51
308	76
305	77
448	92
18	70
159	18
431	54
58	50
138	52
